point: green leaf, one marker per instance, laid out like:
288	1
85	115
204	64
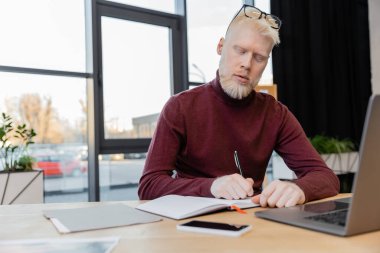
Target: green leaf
328	145
19	134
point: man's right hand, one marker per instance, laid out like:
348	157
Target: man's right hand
232	187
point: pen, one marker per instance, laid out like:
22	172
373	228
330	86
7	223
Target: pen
238	163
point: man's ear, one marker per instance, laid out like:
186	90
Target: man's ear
220	46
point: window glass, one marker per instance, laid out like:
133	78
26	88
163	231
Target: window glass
120	175
136	77
43	34
207	22
161	5
267	77
55	107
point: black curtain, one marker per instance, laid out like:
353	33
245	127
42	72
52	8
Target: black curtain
322	66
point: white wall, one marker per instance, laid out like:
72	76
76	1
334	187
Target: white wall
374	21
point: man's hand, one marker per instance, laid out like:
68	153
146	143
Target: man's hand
232	187
280	194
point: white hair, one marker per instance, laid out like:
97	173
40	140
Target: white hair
261	25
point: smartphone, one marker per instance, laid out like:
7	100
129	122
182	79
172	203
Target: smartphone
214	228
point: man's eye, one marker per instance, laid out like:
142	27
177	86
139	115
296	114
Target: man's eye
259	58
240	51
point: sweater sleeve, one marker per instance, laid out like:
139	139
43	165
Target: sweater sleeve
169	138
313	176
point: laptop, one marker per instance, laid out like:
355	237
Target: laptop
347	216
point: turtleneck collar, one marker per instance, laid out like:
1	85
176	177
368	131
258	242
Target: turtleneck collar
217	87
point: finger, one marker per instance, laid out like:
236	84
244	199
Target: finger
244	190
243	187
249	180
266	193
272	199
250	187
250	192
281	189
256	199
286	195
240	191
263	199
232	191
227	195
293	200
221	194
276	194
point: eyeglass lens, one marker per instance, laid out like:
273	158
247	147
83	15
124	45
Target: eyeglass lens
253	12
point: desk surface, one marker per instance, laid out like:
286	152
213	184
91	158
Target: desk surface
27	222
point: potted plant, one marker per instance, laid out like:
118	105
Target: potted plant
17	176
340	156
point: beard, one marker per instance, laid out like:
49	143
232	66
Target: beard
236	90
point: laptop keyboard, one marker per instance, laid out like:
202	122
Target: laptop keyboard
338	217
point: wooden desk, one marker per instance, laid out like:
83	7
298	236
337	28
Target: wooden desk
26	221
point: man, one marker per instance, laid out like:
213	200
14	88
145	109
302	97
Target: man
199	130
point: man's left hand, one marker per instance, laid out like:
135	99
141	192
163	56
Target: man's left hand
280	194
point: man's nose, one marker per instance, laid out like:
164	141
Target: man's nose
246	62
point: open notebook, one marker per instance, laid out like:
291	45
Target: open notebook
181	207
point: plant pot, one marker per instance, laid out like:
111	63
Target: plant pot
344	166
24	187
342	163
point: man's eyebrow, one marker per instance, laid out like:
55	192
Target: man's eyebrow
238	47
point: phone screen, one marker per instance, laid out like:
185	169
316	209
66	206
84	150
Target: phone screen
214	228
215	225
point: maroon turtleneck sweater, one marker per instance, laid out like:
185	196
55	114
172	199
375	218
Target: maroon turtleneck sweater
198	131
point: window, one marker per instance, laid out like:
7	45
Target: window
55	107
43	46
120	175
42	70
43	34
136	77
140	69
207	22
267	77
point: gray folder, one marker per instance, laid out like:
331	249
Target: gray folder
98	217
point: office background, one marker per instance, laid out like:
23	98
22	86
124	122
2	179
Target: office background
92	76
